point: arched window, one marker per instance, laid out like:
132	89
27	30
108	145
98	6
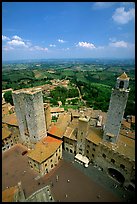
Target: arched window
121	84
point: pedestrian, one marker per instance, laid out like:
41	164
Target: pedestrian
57	178
51	183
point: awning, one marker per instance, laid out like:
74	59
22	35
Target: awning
81	158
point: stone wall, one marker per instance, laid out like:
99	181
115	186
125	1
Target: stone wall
115	114
29	110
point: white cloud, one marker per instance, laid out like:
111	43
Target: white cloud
86	45
52	45
61	41
122	17
39	48
102	5
15	37
17	43
5	37
119	44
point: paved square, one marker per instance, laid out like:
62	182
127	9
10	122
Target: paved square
80	188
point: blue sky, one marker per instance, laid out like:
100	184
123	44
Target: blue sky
41	30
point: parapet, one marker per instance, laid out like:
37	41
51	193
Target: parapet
28	91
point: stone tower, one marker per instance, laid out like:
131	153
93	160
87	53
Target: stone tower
82	133
47	115
116	109
29	110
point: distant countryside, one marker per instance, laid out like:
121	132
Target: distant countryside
72	83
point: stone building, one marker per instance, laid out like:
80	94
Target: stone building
16	194
116	109
116	157
29	109
10	131
7	141
81	135
46	155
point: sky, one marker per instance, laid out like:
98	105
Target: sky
44	30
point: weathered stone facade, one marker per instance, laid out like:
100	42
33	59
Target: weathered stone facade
116	109
82	133
47	115
30	114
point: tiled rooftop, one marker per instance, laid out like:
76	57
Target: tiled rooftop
123	76
44	149
8	194
95	135
10	119
5	132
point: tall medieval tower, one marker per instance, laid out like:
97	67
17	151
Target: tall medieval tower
29	110
82	133
116	109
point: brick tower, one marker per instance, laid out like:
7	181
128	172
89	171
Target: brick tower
116	109
29	110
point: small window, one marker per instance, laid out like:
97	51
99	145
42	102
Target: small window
58	157
71	151
122	166
121	84
88	146
51	165
45	164
104	155
94	149
51	160
87	151
93	155
66	148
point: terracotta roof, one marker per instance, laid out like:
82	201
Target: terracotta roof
123	76
5	132
56	110
44	149
68	132
8	194
60	126
5	110
132	119
10	119
55	130
126	124
95	135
